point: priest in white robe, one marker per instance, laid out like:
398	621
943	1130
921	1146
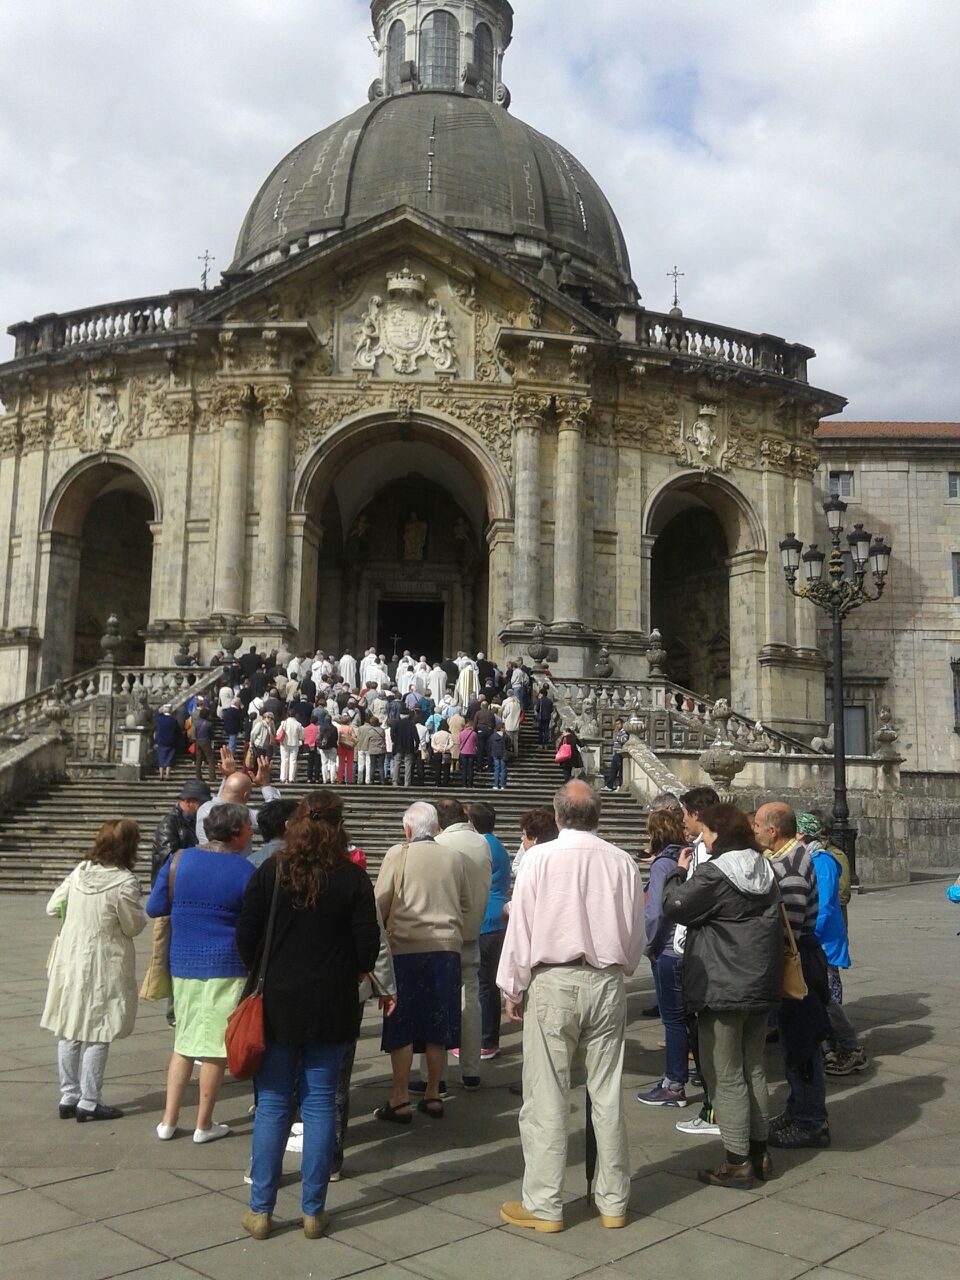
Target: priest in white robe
467	685
348	670
405	676
421	675
437	683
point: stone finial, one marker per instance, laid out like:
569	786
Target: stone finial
111	640
604	667
722	761
230	642
55	710
538	649
183	657
656	653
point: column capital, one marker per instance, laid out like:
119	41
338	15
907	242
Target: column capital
276	400
573	412
528	409
230	401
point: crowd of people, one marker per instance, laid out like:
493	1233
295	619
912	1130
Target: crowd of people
367	722
452	936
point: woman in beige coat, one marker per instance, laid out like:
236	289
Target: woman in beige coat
92	991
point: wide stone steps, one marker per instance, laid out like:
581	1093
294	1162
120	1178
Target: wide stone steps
44	839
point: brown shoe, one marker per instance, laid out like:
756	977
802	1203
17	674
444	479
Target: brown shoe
257	1225
729	1175
762	1166
515	1215
315	1225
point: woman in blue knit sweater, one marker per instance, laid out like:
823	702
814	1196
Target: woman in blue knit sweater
208	974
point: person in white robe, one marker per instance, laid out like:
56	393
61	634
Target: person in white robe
437	683
421	675
405	676
348	670
367	664
381	673
467	685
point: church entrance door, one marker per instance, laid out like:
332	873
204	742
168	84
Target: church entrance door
411	624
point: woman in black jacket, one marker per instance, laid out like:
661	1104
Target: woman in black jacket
733	973
325	935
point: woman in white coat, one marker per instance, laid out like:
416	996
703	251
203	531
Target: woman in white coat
92	990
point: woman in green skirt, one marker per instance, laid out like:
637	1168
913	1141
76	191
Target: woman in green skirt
201	890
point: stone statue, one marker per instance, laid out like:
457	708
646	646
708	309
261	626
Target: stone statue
414	537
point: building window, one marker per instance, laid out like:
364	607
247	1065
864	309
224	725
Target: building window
440	51
483	58
396	55
841	484
956	572
953	484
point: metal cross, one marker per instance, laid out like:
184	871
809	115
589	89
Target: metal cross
206	258
675	276
396	643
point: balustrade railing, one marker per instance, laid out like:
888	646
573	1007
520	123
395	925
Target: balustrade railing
764	353
675	718
111	322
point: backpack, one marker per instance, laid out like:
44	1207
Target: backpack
347	736
327	738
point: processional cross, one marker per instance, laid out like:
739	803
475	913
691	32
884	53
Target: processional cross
396	643
676	277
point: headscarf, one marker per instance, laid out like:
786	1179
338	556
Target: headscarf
810	826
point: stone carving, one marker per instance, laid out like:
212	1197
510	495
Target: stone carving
885	735
35	432
574	411
227	354
604	667
581	363
534	357
535	312
406	329
722	761
325	411
107	418
178	416
527	408
656	653
488	361
490	419
230	401
146	407
67	409
276	400
414	537
10	438
705	443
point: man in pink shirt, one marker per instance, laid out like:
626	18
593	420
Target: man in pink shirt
575	931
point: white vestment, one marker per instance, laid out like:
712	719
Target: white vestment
437	683
381	675
348	671
467	685
421	675
405	677
367	664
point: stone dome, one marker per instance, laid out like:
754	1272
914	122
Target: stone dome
462	160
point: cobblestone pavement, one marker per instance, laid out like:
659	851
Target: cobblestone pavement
102	1200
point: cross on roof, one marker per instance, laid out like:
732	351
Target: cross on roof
206	258
675	275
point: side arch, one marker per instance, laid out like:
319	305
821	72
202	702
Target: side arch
84	482
742	526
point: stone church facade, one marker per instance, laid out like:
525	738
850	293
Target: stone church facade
424	407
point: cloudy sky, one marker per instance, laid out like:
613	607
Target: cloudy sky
797	160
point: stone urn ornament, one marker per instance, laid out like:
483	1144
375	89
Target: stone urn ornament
111	640
183	657
722	761
54	709
604	667
230	642
656	653
538	650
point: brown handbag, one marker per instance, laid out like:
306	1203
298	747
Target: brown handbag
794	984
246	1035
157	983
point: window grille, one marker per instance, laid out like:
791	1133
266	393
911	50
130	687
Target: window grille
440	51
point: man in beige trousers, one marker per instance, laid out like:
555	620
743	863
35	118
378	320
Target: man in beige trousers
575	931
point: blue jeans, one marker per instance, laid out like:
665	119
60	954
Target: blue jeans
232	741
668	979
807	1103
499	772
312	1071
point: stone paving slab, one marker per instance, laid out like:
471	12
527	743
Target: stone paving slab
94	1202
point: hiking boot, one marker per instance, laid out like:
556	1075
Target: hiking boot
844	1064
792	1135
665	1094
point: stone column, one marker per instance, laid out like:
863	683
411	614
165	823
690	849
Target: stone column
278	404
528	411
572	539
231	405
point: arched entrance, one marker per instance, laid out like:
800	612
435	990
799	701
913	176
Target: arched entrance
707	559
100	551
403	514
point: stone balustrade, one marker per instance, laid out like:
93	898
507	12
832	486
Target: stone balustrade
762	353
115	322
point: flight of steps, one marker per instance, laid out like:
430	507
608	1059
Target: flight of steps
42	840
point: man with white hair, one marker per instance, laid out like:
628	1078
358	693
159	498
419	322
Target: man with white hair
575	931
423	894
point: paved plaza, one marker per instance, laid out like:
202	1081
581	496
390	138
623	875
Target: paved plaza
102	1200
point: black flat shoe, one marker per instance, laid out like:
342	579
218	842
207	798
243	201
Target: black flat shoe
99	1112
68	1110
394	1115
432	1107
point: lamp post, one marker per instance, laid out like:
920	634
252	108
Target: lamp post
838	595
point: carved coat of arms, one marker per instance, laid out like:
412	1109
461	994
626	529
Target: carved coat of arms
406	328
705	443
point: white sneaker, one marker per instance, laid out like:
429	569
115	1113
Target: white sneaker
698	1128
166	1131
296	1129
212	1134
295	1143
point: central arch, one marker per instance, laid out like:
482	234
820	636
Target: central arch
401	521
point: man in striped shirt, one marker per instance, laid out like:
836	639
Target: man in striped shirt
803	1023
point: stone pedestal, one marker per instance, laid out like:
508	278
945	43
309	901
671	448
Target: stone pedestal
134	754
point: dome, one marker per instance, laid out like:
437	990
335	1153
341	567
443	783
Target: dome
462	160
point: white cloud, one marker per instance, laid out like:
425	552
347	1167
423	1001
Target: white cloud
797	160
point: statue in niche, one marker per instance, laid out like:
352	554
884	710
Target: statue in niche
414	537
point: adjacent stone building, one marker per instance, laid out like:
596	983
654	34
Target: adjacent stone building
426	408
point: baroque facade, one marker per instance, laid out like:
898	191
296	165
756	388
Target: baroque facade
424	407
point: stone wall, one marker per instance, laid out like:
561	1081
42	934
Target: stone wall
30	766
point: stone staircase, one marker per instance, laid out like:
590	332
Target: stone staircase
41	841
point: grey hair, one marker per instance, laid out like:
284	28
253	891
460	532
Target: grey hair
577	807
224	822
664	800
422	820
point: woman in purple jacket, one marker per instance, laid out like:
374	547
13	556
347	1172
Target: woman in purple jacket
665	829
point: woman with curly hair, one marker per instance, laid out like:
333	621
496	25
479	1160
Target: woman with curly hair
92	994
325	935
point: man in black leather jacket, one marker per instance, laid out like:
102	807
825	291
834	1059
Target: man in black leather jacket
178	828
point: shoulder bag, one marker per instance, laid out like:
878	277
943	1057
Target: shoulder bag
794	984
246	1036
564	752
157	983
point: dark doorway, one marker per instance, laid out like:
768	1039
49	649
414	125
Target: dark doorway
116	562
418	626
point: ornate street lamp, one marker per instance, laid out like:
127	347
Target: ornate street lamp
838	595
